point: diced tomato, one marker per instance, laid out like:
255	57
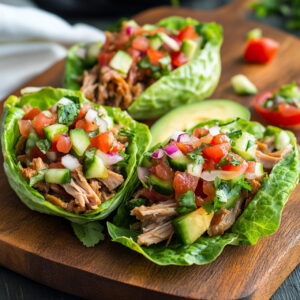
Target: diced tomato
286	115
203	140
25	127
184	182
239	168
84	108
61	143
56	165
41	121
251	167
140	43
209	190
260	50
135	54
220	139
36	152
188	33
106	142
31	114
198	132
162	170
104	58
216	152
122	40
184	148
155	56
86	126
209	164
178	59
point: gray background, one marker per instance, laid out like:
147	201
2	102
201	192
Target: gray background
14	286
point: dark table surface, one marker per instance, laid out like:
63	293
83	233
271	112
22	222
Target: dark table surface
14	286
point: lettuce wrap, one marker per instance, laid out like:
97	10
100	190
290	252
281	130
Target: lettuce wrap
43	100
192	81
260	217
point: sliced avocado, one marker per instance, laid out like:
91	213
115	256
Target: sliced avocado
179	163
191	226
161	186
189	48
189	115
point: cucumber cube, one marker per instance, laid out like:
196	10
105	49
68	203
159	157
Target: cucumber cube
121	62
52	130
80	141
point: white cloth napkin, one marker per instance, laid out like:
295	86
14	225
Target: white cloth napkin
31	40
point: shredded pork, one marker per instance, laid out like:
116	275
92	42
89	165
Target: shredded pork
113	180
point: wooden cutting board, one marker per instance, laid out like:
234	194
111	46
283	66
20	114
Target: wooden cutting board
44	248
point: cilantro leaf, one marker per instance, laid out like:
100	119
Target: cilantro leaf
89	234
229	159
186	203
68	113
208	206
234	134
196	156
130	133
135	203
249	144
43	145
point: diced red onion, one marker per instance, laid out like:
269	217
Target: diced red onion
70	162
129	30
31	89
172	151
103	126
250	176
52	156
226	175
158	153
91	115
176	134
167	47
215	130
143	173
194	169
109	158
184	138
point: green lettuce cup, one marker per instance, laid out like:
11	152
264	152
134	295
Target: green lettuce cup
192	81
30	196
260	215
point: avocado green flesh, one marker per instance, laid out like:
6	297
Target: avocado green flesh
187	116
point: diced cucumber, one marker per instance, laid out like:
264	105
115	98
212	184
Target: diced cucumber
245	146
189	48
121	62
169	41
161	186
31	141
149	27
155	42
92	53
259	169
254	33
80	141
191	226
282	139
131	23
52	130
242	85
39	176
194	169
58	176
179	163
95	168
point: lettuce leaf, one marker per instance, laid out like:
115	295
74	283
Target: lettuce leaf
260	218
193	81
30	196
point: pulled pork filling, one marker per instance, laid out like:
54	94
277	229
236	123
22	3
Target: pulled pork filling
201	179
70	154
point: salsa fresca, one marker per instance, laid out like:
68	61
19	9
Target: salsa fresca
201	182
135	57
70	153
281	107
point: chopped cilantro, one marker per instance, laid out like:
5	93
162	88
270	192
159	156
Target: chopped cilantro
68	113
229	159
196	156
43	145
208	206
126	132
186	203
234	134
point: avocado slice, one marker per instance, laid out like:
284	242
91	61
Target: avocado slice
189	115
191	226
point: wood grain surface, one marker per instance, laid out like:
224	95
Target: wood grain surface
44	248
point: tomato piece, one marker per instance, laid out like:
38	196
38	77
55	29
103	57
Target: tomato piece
251	167
140	43
61	143
178	59
216	152
209	190
155	56
106	142
184	148
184	182
260	50
135	54
31	114
122	40
56	165
209	164
162	170
187	33
220	139
105	58
41	121
25	127
239	168
36	152
86	126
203	140
198	132
286	115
